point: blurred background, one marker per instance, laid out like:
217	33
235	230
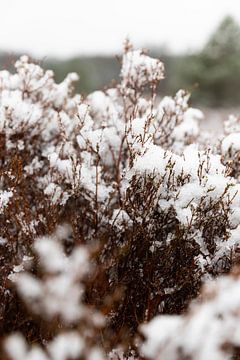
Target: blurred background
199	42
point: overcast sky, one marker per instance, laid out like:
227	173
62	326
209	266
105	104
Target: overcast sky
71	27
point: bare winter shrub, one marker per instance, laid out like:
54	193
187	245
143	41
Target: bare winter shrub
112	212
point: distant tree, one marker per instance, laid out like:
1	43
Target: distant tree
225	40
212	74
216	69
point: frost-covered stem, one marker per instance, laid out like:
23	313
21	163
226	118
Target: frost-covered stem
118	170
96	189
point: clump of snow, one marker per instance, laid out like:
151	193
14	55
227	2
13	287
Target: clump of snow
204	331
140	69
5	197
231	142
62	347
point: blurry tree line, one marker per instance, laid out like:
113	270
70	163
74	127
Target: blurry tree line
212	74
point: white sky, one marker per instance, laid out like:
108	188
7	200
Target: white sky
73	27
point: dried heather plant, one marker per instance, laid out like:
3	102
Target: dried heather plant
113	211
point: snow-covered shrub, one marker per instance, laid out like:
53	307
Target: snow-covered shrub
112	209
56	296
209	330
67	345
230	145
